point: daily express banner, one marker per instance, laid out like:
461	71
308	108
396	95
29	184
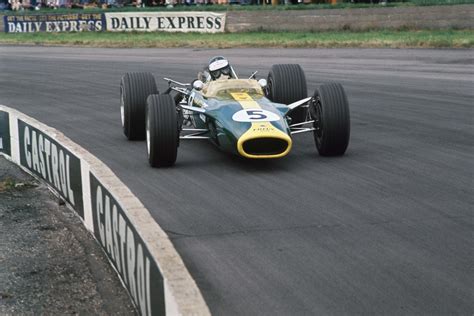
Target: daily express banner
54	23
203	22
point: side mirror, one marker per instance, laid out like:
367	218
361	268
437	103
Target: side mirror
198	85
262	83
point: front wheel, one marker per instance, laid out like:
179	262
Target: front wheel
162	130
330	111
135	88
287	84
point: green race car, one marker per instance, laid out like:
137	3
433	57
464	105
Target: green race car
250	118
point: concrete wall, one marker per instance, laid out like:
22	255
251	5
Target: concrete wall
137	247
429	17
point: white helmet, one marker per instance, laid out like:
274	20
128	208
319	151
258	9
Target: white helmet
219	66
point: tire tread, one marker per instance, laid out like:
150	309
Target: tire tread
288	86
138	86
164	134
335	119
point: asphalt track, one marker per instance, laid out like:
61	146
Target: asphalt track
386	229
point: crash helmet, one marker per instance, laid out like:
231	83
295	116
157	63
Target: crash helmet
219	66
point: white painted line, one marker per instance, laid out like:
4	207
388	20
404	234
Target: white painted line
86	196
14	141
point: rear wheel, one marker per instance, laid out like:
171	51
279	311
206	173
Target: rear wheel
330	112
287	84
134	90
162	131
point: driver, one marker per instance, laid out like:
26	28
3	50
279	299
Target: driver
218	69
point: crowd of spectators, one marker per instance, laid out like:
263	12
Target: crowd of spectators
85	4
68	4
57	4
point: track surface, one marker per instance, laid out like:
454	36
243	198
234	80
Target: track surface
386	229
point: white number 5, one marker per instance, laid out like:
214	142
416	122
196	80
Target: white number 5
255	115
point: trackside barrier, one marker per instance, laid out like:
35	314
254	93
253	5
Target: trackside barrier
136	246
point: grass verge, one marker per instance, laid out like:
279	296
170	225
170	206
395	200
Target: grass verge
6	185
369	39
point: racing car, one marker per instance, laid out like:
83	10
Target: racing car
255	119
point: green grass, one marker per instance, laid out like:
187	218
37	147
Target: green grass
393	39
7	184
220	8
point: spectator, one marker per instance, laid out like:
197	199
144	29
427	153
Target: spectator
121	3
14	4
86	4
65	4
137	3
25	4
35	4
83	3
53	4
4	5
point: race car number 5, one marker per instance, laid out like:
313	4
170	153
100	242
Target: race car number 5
255	115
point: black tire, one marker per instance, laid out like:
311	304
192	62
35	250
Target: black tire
287	84
330	112
134	90
162	131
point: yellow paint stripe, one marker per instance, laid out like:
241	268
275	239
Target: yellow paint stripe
245	100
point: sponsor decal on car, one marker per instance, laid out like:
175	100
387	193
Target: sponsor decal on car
255	115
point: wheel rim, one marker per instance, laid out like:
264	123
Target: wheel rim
122	107
318	126
148	136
